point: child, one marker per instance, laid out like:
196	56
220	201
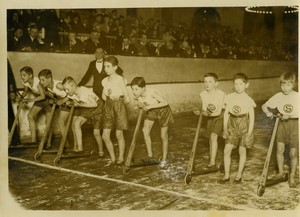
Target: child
87	107
54	87
156	108
114	115
32	84
287	103
212	100
238	126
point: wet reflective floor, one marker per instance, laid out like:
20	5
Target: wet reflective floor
89	183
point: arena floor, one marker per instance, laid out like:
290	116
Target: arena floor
90	184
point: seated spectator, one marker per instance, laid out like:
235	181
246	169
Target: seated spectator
94	42
143	48
65	25
127	48
168	50
185	50
12	40
28	42
76	24
72	44
86	26
106	25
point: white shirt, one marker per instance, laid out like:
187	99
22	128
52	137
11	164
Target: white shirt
34	87
99	65
147	98
213	101
112	87
56	91
84	95
239	104
286	104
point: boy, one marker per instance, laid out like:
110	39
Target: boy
238	126
287	103
212	100
157	108
54	87
114	115
87	107
32	84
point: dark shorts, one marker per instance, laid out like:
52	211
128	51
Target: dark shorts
43	104
93	114
288	132
214	125
237	132
115	115
163	115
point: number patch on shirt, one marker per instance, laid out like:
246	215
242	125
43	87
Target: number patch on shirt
288	108
236	109
211	107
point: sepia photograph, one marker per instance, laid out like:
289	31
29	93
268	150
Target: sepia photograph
157	108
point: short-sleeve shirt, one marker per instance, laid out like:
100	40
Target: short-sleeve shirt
286	104
147	98
213	101
112	87
56	91
34	87
239	104
85	95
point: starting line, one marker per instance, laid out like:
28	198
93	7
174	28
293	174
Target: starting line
128	183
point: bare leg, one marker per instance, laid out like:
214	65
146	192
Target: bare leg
294	163
78	132
98	138
242	161
227	159
32	121
146	131
121	142
108	143
165	142
280	158
213	148
62	120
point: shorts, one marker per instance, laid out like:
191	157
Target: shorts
94	114
288	132
163	115
115	115
214	125
237	132
43	104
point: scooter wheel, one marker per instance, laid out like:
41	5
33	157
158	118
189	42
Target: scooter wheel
57	161
125	170
260	190
37	156
188	178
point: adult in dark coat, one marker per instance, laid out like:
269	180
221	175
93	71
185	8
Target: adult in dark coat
12	40
72	44
29	42
96	70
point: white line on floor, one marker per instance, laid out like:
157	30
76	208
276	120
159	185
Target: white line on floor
128	183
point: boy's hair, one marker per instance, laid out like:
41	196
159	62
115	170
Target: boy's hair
68	79
211	74
288	76
112	59
45	73
27	69
241	76
139	81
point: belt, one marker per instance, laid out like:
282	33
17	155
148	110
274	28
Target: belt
116	97
238	116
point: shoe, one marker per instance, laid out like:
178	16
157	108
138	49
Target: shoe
292	184
211	166
101	154
163	164
223	181
237	180
119	162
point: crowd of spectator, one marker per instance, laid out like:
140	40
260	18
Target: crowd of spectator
44	30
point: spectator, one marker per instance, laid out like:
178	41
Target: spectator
142	46
65	25
72	44
29	42
127	48
12	40
168	50
94	42
76	24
